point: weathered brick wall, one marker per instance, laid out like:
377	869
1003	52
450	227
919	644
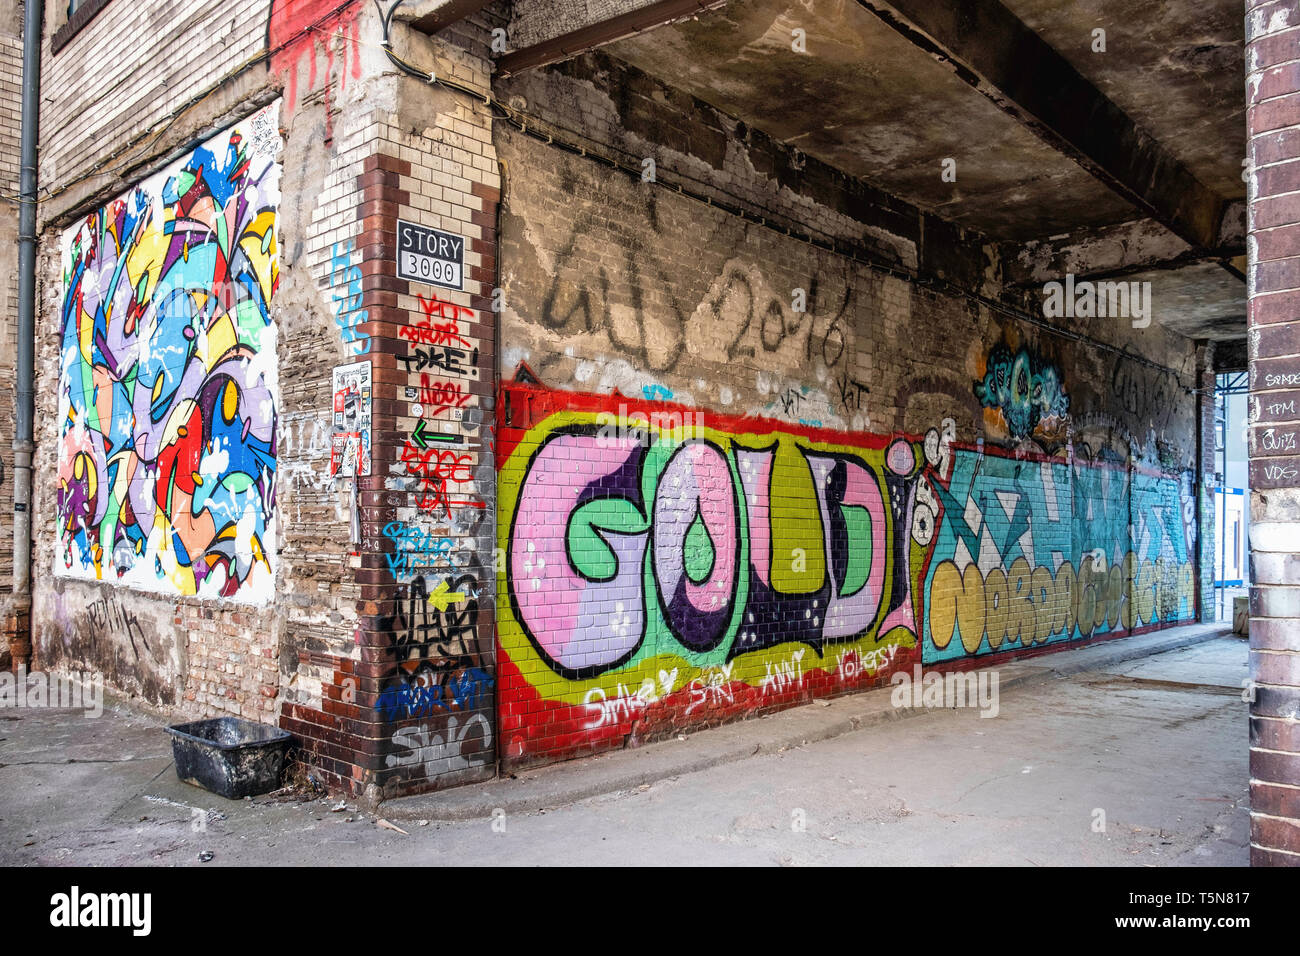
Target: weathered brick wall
1273	120
361	616
200	648
11	61
880	466
428	515
140	62
1207	553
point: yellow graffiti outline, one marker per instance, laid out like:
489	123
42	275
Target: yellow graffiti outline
749	668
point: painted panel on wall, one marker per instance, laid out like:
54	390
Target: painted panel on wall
661	565
168	391
1036	551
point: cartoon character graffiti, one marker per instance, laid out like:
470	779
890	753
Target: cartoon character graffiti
1026	389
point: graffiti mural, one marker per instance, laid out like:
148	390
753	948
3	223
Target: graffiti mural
1026	389
168	391
1030	552
660	559
662	563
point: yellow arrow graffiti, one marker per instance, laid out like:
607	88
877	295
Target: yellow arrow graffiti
440	597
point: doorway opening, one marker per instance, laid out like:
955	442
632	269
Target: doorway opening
1231	495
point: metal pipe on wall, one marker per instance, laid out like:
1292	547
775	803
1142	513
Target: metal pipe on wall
19	625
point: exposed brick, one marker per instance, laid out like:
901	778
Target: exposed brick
1278	179
1273	734
1276	113
1275	833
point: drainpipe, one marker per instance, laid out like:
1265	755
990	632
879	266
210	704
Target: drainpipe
19	625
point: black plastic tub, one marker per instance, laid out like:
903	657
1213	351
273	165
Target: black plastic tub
231	757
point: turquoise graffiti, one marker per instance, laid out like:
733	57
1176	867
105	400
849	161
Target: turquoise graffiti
1026	389
1031	552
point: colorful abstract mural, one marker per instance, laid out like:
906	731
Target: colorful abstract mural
168	391
663	566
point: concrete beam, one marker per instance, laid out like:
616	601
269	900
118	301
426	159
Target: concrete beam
535	21
598	32
1111	251
1231	356
430	16
988	47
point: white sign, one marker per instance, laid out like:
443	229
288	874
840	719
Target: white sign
428	255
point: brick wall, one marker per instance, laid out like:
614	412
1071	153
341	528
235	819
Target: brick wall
1207	553
11	60
142	61
1273	119
856	488
417	708
186	638
320	617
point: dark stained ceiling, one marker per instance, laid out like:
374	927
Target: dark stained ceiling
865	100
886	99
1178	69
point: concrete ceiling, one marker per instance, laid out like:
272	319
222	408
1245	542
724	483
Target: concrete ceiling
867	101
886	100
1178	69
1201	301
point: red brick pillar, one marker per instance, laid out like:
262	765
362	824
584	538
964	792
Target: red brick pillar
1273	121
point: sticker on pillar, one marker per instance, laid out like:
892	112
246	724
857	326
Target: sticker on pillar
429	255
350	438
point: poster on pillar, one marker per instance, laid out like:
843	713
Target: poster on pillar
168	379
350	439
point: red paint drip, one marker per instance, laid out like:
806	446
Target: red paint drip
296	29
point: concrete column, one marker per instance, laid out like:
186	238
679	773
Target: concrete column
1273	121
1207	540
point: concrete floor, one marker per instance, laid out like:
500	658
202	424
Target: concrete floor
1157	744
